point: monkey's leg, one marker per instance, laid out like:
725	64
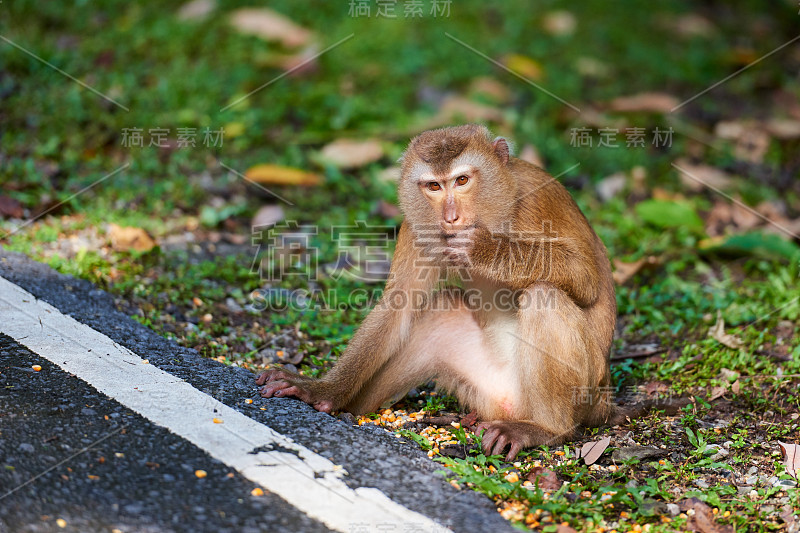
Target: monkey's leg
553	354
437	342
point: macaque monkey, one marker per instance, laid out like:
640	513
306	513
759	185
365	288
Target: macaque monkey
524	341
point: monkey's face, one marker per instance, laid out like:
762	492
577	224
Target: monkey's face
454	180
451	197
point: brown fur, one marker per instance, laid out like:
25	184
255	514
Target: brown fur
534	372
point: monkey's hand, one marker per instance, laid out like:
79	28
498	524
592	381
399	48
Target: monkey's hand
280	383
458	247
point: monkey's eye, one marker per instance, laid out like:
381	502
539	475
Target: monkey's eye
434	186
462	180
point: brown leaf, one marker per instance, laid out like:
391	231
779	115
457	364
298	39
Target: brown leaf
469	419
271	26
791	458
491	88
625	271
279	175
717	393
10	207
530	154
196	9
387	210
268	215
655	387
652	102
784	129
349	153
544	478
127	238
559	22
717	332
591	451
701	176
703	519
611	186
456	108
692	25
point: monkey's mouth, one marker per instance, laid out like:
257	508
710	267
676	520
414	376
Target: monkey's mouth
456	233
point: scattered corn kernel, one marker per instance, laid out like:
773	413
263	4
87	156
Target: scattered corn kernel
37	368
258	491
197	301
624	514
119	455
280	353
559	452
61	522
93	477
714	510
145	361
200	473
208	317
662	462
512	477
248	401
612	468
726	514
218	421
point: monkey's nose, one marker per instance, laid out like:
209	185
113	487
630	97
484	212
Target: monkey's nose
451	218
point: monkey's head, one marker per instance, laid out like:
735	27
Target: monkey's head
455	179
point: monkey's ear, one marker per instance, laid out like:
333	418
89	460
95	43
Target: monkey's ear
500	146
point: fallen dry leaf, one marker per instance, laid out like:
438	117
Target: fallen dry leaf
717	393
530	154
545	479
10	207
591	451
717	332
692	25
456	108
490	87
469	419
196	9
791	458
702	520
127	238
559	22
271	26
610	186
783	129
349	153
280	175
655	387
268	215
644	103
561	528
701	176
625	271
387	210
524	66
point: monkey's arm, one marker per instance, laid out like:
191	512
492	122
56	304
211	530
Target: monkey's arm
521	260
383	332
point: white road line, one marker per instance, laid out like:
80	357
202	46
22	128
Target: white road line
306	480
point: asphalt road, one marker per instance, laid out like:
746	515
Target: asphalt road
99	461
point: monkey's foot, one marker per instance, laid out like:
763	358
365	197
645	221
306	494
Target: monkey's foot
500	434
277	383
